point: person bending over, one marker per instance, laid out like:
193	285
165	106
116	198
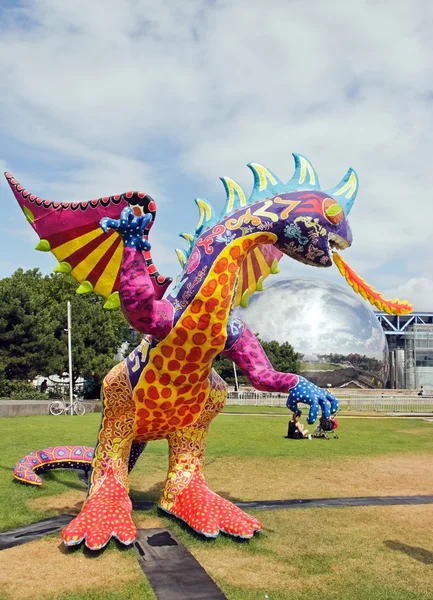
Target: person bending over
296	430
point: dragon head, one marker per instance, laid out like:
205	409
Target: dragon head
305	222
315	227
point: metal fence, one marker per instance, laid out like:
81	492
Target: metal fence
255	398
388	404
403	404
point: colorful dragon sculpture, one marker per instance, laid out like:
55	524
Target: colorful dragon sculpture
166	387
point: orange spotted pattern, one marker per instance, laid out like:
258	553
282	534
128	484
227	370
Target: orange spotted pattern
176	398
188	445
186	494
174	385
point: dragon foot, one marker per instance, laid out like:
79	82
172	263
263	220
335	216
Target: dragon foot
208	514
105	514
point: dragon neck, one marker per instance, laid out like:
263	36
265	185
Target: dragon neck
217	273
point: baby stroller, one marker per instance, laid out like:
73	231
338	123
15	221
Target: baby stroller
326	428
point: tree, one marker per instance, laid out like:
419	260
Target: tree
282	357
29	343
33	322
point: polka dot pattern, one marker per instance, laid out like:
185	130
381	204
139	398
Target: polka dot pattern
208	514
306	392
106	513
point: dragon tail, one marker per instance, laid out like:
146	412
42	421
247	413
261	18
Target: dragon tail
62	457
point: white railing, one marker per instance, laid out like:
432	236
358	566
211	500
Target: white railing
256	398
388	403
402	404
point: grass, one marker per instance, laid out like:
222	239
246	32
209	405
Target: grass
265	410
310	366
309	553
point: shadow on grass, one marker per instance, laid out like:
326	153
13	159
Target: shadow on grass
150	495
81	548
420	554
9	468
199	536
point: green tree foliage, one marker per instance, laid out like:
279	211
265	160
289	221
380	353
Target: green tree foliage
282	357
33	320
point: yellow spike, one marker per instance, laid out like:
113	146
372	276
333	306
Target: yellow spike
264	176
181	257
28	214
245	299
205	211
113	301
259	286
43	246
62	267
85	288
274	267
188	238
306	169
232	186
349	187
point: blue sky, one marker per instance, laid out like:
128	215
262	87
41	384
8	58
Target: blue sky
101	97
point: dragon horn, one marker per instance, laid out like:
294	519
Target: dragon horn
345	192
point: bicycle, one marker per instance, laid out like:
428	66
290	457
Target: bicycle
59	407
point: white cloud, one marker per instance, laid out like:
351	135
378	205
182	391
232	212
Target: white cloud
419	290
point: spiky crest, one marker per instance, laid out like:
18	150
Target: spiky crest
267	184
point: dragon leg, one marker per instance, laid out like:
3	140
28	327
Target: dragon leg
107	510
186	494
245	350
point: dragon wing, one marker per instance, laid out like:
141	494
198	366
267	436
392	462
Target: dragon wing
259	263
71	231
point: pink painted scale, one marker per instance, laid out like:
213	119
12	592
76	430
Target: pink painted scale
137	297
249	356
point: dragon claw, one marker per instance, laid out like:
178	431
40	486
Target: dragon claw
129	227
305	392
105	514
208	514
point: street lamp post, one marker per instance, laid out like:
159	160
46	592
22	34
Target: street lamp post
69	330
236	380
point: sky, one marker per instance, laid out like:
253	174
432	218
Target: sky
97	98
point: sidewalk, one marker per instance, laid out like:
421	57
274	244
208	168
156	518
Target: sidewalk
28	408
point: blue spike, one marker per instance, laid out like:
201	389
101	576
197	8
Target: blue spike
305	176
236	197
346	191
266	183
207	214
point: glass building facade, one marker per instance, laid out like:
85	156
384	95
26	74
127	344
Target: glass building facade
418	357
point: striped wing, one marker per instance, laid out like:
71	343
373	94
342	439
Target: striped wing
71	231
260	263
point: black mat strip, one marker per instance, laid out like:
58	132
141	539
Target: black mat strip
21	535
330	502
171	569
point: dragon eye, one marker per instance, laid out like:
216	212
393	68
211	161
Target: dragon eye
332	211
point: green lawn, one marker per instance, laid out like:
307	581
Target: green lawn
230	436
304	554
